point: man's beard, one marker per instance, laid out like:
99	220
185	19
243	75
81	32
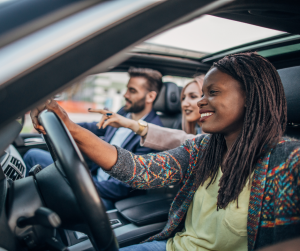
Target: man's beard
136	107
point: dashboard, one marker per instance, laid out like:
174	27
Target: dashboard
12	164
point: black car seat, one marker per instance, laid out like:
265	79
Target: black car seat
290	78
168	105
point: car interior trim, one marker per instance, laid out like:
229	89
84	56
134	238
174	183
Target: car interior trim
34	15
258	45
47	43
166	65
280	50
4	158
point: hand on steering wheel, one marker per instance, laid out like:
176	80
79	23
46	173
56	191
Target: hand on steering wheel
76	171
50	105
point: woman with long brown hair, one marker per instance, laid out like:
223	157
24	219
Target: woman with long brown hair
239	182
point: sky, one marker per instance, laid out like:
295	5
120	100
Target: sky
211	34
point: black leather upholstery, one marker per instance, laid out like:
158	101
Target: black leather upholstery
168	105
144	210
290	78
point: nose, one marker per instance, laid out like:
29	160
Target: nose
202	102
185	103
126	94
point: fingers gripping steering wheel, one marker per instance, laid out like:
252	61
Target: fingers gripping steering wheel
76	171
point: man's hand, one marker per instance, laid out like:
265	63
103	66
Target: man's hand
50	105
114	120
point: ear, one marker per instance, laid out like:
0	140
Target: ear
150	97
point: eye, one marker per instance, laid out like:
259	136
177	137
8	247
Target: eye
212	92
194	96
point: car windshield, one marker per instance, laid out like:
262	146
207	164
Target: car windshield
207	35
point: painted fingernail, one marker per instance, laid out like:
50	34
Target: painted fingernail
89	109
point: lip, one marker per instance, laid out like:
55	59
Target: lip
204	111
201	111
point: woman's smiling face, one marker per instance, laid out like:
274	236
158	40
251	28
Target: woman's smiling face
222	106
190	98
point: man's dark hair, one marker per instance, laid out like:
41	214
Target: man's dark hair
264	123
154	78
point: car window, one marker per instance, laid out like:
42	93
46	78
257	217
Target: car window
96	91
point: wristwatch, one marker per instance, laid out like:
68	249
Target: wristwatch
143	124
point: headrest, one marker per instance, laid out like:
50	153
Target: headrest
290	78
168	100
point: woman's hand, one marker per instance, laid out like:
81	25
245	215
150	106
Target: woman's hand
50	105
102	153
115	120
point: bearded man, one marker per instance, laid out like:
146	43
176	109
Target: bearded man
143	89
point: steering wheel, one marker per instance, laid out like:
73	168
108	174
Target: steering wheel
76	171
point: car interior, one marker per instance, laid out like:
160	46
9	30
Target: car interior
49	210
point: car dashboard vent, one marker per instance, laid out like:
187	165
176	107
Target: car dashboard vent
17	163
11	173
14	169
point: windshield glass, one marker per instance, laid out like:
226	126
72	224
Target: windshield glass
209	34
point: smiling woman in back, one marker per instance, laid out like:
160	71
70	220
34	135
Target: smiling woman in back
239	183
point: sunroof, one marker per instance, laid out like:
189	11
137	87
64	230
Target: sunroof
209	34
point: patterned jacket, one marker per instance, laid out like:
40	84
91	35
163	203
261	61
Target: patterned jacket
274	206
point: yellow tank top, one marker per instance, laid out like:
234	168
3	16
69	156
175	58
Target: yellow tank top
209	229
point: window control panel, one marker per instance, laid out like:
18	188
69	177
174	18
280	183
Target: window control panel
115	223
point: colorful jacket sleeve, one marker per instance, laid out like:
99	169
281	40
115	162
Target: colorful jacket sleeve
287	201
280	212
155	170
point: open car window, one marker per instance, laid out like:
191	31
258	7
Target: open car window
104	90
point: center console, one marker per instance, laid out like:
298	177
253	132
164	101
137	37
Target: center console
134	220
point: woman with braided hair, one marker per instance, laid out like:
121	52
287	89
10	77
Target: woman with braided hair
239	182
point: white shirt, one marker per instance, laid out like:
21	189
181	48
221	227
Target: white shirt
121	134
119	137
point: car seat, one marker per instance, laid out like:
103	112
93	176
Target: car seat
168	105
290	78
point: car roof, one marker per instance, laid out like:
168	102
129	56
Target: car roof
97	45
